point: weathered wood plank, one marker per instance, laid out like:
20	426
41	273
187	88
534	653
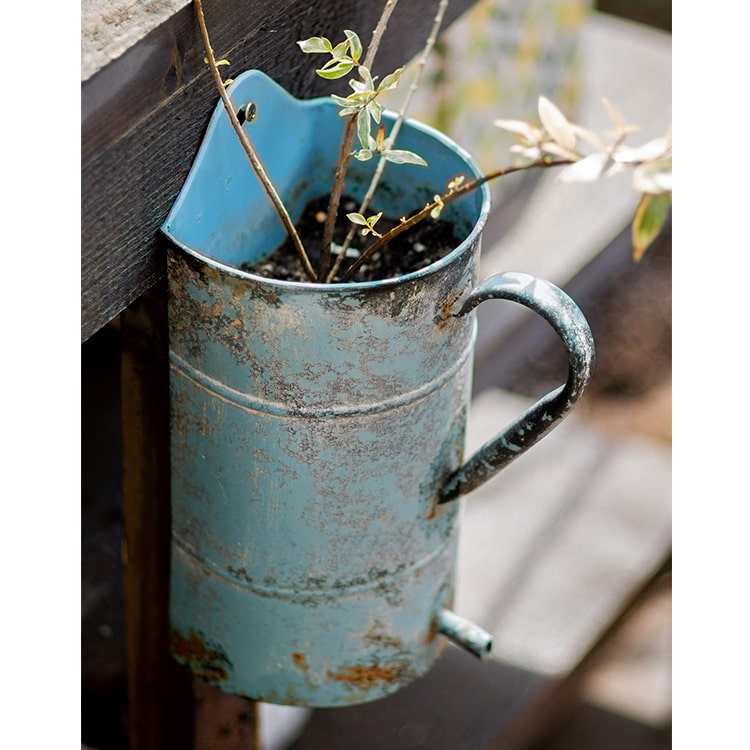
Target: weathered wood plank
552	546
144	114
224	722
160	699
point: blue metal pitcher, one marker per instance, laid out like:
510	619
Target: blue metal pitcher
318	429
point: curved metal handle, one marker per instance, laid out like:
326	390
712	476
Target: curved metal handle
563	314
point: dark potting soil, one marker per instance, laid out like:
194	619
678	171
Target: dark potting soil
412	250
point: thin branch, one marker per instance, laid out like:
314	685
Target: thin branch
444	199
249	148
347	139
429	44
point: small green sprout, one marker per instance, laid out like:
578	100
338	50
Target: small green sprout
380	146
435	213
456	183
453	185
367	223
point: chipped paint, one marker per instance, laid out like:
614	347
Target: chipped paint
210	664
366	676
300	661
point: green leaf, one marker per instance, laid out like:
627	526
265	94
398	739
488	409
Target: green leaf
363	128
315	44
650	215
354	44
391	80
340	51
343	102
335	69
368	223
367	85
375	110
364	154
404	157
456	182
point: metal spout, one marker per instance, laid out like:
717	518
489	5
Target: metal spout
464	633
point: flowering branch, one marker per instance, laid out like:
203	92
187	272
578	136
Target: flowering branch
651	162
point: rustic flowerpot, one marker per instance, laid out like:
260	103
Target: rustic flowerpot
318	430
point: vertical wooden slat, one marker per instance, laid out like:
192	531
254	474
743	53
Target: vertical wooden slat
159	692
224	722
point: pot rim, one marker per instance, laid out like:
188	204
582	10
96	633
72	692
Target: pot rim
353	286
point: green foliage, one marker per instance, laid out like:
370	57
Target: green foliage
367	223
556	142
344	56
648	221
362	104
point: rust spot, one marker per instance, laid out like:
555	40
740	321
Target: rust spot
363	677
436	510
379	637
445	314
432	631
431	513
300	660
209	664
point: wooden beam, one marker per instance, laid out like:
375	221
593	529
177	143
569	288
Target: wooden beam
160	697
224	722
144	114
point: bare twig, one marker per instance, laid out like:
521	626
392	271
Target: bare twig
444	200
249	148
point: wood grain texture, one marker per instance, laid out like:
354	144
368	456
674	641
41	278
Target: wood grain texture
554	545
224	722
144	114
160	697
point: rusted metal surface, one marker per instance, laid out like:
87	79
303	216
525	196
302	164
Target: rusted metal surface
209	664
465	633
313	426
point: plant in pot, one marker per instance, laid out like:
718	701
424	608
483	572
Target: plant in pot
320	382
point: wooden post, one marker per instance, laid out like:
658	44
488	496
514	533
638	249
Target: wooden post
167	708
224	722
